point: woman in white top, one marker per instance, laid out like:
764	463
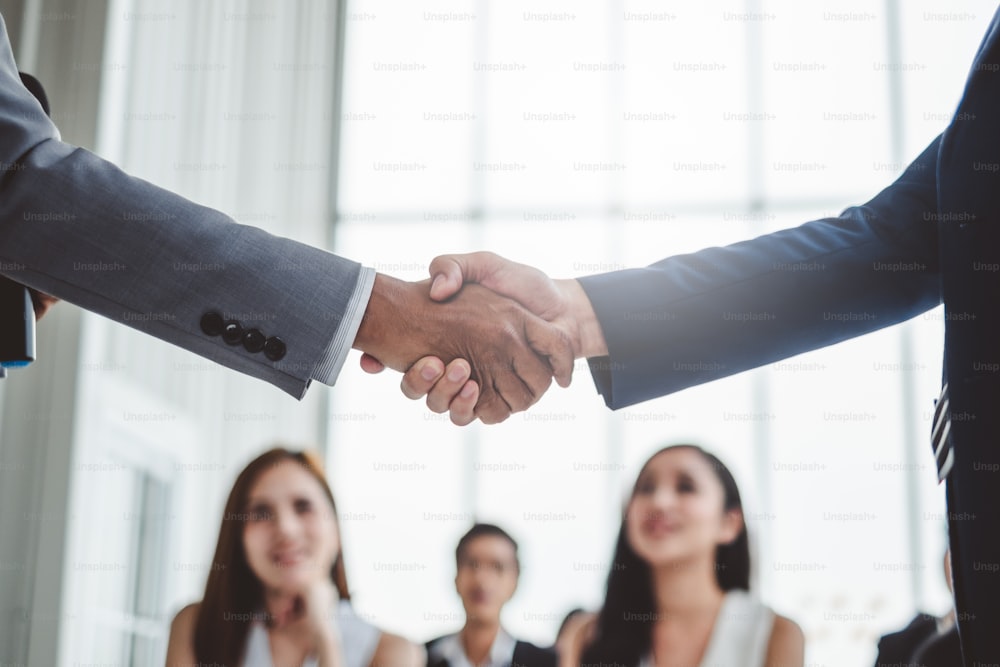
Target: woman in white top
277	592
678	590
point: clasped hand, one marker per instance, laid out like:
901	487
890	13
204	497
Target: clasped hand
492	334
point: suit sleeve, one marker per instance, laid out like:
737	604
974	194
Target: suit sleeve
75	226
693	318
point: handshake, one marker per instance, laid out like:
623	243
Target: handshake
482	338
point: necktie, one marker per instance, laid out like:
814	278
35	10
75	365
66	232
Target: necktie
943	454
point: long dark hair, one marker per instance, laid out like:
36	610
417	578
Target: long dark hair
625	623
234	596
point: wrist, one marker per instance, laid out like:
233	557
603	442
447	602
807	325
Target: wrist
322	605
384	319
587	335
328	651
371	331
327	637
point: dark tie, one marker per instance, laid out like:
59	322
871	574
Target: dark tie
943	454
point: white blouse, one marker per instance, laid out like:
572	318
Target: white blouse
358	641
740	636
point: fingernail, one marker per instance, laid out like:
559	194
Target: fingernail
438	282
428	372
468	390
456	373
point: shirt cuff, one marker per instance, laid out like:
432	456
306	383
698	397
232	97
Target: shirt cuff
336	354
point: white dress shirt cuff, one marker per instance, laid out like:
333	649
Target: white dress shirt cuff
336	354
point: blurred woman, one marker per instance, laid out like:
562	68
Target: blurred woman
277	591
678	591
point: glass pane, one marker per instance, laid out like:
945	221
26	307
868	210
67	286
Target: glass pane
684	115
831	133
410	115
944	40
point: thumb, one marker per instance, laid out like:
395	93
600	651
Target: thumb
450	272
551	343
446	277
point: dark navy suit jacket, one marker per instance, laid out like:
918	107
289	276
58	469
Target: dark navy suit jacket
933	236
920	644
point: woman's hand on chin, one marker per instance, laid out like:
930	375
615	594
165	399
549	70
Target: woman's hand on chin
316	607
319	613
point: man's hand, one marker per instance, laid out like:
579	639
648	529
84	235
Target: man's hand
512	354
41	302
561	302
453	391
525	284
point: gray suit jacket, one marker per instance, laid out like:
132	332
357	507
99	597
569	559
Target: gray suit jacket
76	227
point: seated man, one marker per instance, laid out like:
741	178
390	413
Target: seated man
928	641
488	569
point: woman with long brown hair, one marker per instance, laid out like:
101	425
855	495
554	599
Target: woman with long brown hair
277	591
679	588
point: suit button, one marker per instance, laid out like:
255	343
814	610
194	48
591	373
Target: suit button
253	340
232	332
274	348
212	324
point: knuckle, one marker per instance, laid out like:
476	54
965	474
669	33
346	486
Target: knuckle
520	402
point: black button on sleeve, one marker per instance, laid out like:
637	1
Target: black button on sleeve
211	323
253	340
274	348
232	333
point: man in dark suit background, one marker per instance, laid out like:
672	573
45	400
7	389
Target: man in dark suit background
488	570
931	237
927	641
